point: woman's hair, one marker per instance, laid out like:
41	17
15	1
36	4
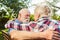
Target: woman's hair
42	9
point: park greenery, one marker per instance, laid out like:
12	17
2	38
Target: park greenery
54	9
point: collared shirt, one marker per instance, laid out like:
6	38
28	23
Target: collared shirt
12	25
46	23
15	25
42	24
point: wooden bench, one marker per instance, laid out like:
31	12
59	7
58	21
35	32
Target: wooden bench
5	35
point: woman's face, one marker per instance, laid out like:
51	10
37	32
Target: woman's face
36	16
38	12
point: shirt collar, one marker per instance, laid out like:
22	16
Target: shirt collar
17	21
43	18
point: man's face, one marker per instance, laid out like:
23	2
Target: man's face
25	16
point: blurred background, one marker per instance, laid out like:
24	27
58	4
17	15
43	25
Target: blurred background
9	9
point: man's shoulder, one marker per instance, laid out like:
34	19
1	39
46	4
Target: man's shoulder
10	21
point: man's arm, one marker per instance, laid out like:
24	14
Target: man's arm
30	35
7	25
27	34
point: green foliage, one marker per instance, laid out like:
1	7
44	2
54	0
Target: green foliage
54	9
6	12
9	9
31	17
16	5
56	17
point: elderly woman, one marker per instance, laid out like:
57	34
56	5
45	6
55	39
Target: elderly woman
43	18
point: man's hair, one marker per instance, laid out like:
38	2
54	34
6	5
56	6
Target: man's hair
22	10
43	9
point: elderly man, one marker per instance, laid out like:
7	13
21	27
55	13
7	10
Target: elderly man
17	33
43	19
23	17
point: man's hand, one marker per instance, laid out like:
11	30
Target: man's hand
50	34
56	35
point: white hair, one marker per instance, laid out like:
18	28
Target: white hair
42	8
23	10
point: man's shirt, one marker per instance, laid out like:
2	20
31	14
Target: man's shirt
15	25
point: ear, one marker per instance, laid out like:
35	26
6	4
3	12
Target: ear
19	15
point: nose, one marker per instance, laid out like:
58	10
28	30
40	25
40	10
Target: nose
27	16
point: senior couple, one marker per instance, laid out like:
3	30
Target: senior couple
42	26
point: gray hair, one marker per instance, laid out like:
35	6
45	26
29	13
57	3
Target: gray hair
43	9
23	10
